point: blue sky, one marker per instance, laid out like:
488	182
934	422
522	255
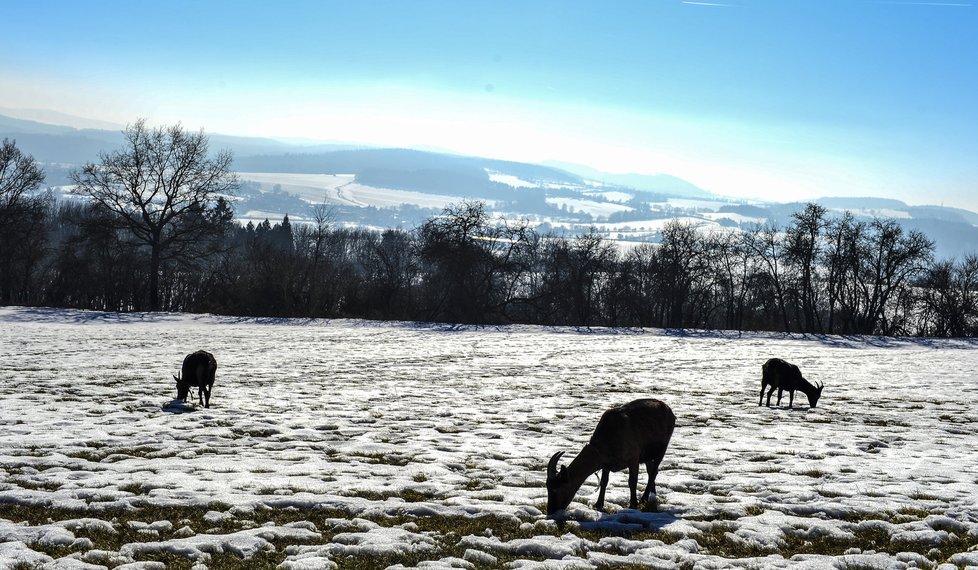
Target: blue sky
772	99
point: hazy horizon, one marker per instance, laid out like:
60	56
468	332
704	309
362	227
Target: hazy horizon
750	99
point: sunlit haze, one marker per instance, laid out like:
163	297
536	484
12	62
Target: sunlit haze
759	99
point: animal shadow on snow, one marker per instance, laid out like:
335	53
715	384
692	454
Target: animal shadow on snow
177	406
629	521
795	409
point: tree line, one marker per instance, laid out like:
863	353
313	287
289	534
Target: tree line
155	230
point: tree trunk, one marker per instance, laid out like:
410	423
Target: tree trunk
154	278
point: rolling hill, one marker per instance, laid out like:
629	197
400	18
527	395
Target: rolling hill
385	187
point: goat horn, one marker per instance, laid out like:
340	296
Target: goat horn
552	466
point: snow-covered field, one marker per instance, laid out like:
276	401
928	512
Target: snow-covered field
358	445
341	189
591	207
310	187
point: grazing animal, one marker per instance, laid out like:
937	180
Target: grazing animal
782	375
198	371
637	432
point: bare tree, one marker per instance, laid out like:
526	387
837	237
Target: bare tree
471	263
683	264
804	246
895	259
592	258
844	249
394	275
161	187
637	283
575	274
950	298
22	215
19	176
732	267
767	245
311	242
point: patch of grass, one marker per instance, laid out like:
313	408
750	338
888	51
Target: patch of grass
716	541
123	533
447	532
724	516
414	496
413	559
914	512
255	431
813	473
409	495
474	484
52	551
34	451
496	497
754	510
621	566
920	495
37	485
25	566
134	488
141	452
361	562
87	455
259	561
952	545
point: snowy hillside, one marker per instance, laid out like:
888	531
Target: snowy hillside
360	445
383	188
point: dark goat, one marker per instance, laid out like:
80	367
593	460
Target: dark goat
198	371
637	432
782	375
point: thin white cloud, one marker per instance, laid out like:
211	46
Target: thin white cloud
911	3
692	3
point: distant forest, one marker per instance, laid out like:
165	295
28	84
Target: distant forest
176	246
